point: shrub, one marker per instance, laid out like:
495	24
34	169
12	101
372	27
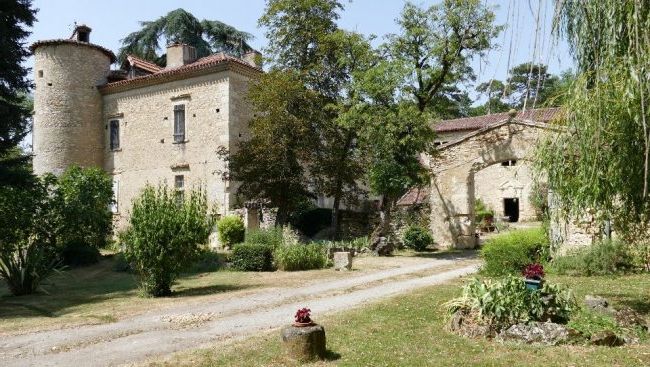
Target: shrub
268	237
121	264
417	238
26	268
231	230
80	254
504	302
207	260
252	257
164	236
294	257
510	252
483	214
602	258
83	197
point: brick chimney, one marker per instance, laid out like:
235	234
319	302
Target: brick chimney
179	54
253	58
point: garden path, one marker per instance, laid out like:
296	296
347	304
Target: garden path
162	332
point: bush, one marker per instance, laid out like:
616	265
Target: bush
300	257
602	258
164	236
26	268
505	302
206	261
252	257
231	230
483	215
269	237
510	252
80	254
417	238
84	196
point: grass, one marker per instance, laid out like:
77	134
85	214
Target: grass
410	331
98	294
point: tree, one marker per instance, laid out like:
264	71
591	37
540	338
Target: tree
84	196
207	36
530	84
271	166
494	90
14	85
305	39
602	162
164	235
437	44
394	133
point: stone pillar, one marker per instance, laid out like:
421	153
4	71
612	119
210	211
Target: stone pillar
252	218
343	260
304	344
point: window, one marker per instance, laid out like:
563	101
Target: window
509	163
116	193
40	73
179	186
179	123
115	134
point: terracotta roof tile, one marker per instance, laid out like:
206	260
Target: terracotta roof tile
106	51
143	64
478	122
415	195
168	74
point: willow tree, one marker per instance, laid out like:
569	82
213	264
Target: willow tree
602	161
207	36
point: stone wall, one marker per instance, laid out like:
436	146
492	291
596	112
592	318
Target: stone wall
457	168
214	118
68	127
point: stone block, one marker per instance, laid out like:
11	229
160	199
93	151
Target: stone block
304	343
343	260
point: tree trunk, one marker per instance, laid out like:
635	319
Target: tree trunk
281	217
379	241
338	191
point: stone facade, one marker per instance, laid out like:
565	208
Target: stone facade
459	172
68	106
78	111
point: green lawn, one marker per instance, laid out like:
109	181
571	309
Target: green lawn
409	331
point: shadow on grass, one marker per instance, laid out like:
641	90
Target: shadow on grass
448	254
635	302
331	356
209	289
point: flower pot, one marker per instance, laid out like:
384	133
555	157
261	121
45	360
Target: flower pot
304	324
533	284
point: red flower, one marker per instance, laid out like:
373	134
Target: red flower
533	271
302	315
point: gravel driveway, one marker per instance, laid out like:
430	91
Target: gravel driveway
162	332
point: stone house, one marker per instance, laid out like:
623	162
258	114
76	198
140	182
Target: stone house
141	123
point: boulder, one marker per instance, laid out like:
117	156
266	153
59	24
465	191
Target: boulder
467	325
548	333
606	338
343	261
598	304
304	343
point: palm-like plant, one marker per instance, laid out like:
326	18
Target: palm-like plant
207	36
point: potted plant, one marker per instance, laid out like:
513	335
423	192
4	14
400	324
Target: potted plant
534	276
303	318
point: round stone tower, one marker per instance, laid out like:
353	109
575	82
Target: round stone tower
68	127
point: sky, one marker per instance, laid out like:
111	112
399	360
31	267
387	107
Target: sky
113	20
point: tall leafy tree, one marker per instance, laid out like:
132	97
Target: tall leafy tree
207	36
437	45
602	162
15	17
530	84
270	166
304	38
